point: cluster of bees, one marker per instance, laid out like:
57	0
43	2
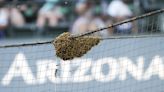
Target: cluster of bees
68	48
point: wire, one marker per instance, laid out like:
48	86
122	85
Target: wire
122	22
26	44
111	37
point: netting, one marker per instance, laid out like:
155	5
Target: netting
120	63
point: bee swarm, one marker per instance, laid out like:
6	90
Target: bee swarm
68	48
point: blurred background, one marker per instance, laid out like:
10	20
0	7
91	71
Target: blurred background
39	20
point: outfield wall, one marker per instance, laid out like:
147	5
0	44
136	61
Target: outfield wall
116	65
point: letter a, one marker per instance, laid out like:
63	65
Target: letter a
19	68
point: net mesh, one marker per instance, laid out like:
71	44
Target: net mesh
134	64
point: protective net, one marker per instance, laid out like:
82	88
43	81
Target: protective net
119	63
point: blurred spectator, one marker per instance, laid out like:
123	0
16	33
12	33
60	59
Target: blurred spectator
16	18
98	23
29	10
84	12
3	21
11	14
88	19
104	4
100	20
51	13
120	10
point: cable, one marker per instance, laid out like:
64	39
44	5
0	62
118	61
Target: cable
119	23
26	44
111	37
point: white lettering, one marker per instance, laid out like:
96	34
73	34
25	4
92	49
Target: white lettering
126	65
65	71
80	74
83	70
155	68
97	70
19	68
46	70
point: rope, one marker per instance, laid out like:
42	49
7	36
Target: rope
111	37
26	44
119	23
87	33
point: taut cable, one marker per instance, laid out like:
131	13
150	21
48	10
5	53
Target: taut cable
119	23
